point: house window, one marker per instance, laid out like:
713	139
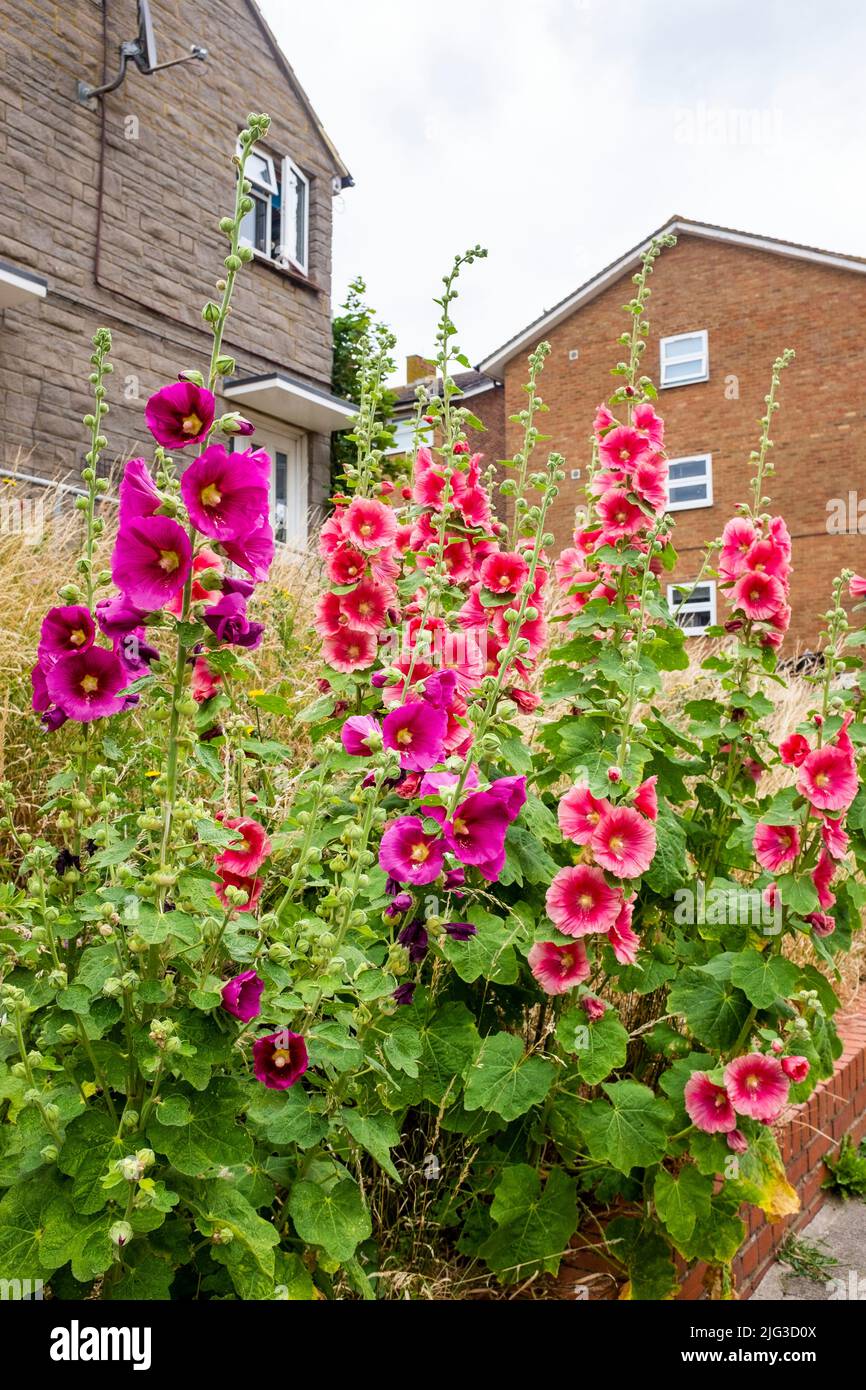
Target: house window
277	226
404	436
693	605
684	358
690	482
287	449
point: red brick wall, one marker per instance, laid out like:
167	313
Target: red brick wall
753	304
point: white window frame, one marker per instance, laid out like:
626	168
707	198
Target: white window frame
404	436
687	506
286	254
668	359
688	606
275	436
289	251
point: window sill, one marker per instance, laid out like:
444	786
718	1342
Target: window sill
287	273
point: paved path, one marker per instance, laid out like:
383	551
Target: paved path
840	1229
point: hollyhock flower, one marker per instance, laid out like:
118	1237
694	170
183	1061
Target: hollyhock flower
241	996
248	851
251	885
408	853
366	606
770	895
828	778
206	559
623	447
559	968
758	595
593	1007
138	494
328	615
404	994
460	931
349	650
439	689
570	568
228	621
579	813
64	630
369	525
414	937
456	560
358	732
254	552
476	834
767	557
776	845
151	560
511	791
416	731
624	842
332	533
624	942
226	494
85	685
504	572
738	538
619	516
708	1106
455	878
646	799
580	901
180	414
857	587
134	653
117	616
794	750
645	421
400	903
821	923
603	419
780	535
346	565
795	1068
649	481
737	1141
822	877
834	838
757	1086
205	683
280	1059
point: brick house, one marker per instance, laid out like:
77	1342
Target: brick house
110	217
724	304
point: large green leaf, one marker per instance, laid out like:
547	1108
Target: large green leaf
489	954
681	1199
211	1138
249	1254
503	1079
629	1129
764	978
91	1144
26	1213
668	869
449	1041
534	1225
641	1247
714	1009
378	1134
334	1218
600	1045
293	1116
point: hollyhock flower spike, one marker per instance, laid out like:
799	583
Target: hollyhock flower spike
280	1059
180	414
757	1086
241	996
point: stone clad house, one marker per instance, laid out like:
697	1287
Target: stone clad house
724	304
109	217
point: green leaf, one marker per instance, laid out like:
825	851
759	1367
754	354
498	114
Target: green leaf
210	1138
336	1218
681	1199
798	894
378	1134
630	1129
641	1247
668	869
449	1041
402	1047
215	834
91	1144
503	1079
487	955
249	1256
764	978
27	1212
294	1283
600	1046
715	1010
293	1116
534	1225
146	1276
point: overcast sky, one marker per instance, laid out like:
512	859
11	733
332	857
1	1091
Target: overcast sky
558	133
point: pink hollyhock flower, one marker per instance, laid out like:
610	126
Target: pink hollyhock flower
834	838
757	1086
366	606
358	732
504	572
768	558
346	565
205	682
646	799
64	630
779	534
206	559
249	851
738	538
603	419
624	842
370	525
822	877
85	685
332	533
280	1059
151	560
708	1106
457	561
645	421
476	834
795	1068
580	901
242	995
251	885
579	814
649	481
416	731
737	1142
857	588
624	942
593	1008
439	689
349	650
794	750
138	494
328	615
828	778
821	923
758	595
180	414
619	516
776	845
226	494
254	552
559	968
770	895
623	447
408	853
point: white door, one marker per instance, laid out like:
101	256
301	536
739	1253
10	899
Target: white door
289	469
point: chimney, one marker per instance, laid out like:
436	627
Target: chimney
418	369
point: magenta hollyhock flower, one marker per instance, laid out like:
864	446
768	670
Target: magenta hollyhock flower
86	685
624	842
439	689
180	414
242	996
64	630
151	560
349	650
795	1068
417	732
251	885
834	838
593	1008
579	813
204	683
828	778
280	1059
254	552
249	851
357	733
821	923
737	1141
460	931
623	447
369	525
228	621
646	421
775	845
476	834
624	941
408	853
757	1085
511	791
708	1106
117	616
794	750
559	968
138	494
227	495
822	877
404	994
759	595
504	572
580	900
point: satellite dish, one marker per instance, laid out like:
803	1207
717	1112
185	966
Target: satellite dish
142	51
145	58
